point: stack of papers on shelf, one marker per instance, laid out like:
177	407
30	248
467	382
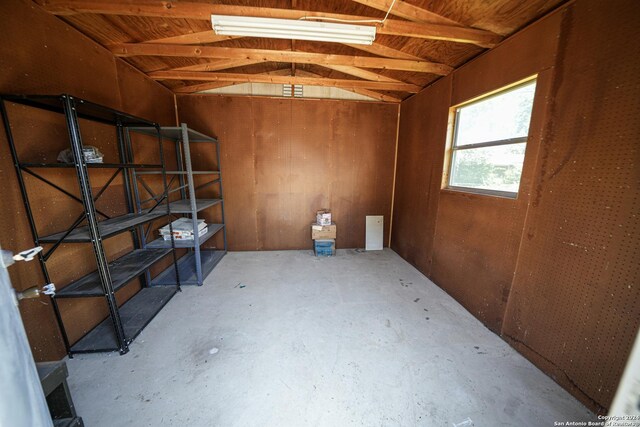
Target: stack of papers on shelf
183	229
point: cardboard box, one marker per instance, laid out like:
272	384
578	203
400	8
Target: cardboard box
323	217
323	231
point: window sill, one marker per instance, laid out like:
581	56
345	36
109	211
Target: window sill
480	192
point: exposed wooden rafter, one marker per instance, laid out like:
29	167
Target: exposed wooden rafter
144	49
366	92
408	11
216	85
204	37
210	37
173	39
450	33
359	72
258	78
382	50
200	87
200	37
221	64
203	11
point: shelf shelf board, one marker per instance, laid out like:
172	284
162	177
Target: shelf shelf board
212	229
108	228
95	166
187	268
179	172
122	271
84	109
135	315
175	133
184	206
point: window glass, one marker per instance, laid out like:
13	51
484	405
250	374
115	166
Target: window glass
503	116
490	141
495	168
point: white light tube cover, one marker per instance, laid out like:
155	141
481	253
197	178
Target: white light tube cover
292	29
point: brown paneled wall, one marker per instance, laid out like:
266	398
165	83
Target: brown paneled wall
423	125
477	236
575	298
554	271
453	236
282	159
47	56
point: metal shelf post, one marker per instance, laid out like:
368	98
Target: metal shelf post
92	220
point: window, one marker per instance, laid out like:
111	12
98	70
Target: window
489	140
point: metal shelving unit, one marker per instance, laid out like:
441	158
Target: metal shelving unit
124	322
193	267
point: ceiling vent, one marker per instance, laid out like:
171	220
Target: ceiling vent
292	91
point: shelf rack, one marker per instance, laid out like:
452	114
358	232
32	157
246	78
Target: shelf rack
126	321
196	265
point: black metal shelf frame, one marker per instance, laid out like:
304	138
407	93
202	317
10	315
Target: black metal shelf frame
109	277
194	267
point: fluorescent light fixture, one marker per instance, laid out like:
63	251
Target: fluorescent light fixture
292	29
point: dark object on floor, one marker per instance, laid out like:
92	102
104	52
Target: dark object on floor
53	377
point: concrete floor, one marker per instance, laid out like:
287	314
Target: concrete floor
287	339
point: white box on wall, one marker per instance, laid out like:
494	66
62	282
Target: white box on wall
374	232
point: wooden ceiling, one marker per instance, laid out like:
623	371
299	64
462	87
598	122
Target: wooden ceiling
422	40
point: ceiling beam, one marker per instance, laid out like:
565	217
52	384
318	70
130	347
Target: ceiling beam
144	49
382	50
204	37
210	37
203	86
203	11
221	64
408	11
375	95
359	72
200	87
193	89
366	92
200	37
468	35
257	78
215	85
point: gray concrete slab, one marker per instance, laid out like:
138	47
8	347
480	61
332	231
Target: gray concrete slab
286	339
